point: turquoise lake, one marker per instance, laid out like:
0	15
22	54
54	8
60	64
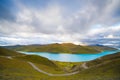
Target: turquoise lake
71	57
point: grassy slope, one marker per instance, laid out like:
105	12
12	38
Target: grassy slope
6	52
105	68
102	48
68	66
18	68
60	48
32	58
41	62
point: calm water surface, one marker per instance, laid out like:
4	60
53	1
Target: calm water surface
71	57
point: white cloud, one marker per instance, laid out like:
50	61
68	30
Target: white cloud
52	16
109	36
55	23
104	32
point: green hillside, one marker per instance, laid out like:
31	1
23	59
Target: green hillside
38	60
14	67
105	68
102	48
7	52
60	48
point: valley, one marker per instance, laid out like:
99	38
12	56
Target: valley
17	66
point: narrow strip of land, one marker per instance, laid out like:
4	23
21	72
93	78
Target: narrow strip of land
50	74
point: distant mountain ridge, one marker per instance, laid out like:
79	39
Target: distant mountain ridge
60	48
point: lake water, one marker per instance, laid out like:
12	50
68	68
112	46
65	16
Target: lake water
71	57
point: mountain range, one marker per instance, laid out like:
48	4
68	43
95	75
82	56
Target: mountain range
60	48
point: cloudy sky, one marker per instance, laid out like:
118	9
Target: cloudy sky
51	21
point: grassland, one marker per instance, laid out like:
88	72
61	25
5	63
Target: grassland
14	66
17	67
6	52
68	66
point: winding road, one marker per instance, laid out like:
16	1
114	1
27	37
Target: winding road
84	66
50	74
44	72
